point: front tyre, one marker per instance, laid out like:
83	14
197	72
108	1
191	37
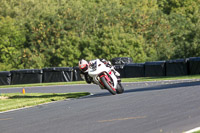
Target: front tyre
108	86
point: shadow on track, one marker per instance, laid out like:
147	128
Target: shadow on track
163	87
151	88
103	94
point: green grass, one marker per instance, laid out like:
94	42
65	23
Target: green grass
159	78
197	132
43	84
18	100
141	79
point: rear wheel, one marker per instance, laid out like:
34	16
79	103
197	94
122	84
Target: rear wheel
120	88
108	85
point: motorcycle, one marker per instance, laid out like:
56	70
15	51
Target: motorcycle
104	77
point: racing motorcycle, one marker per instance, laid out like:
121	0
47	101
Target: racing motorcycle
104	77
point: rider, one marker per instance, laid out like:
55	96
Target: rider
83	65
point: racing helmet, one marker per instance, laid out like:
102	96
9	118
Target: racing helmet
83	65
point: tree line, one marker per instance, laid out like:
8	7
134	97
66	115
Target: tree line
58	33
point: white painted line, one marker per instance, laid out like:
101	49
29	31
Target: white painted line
193	130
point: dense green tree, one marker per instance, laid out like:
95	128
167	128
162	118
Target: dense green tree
185	36
183	16
184	7
51	33
12	39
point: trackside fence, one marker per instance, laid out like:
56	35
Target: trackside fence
124	65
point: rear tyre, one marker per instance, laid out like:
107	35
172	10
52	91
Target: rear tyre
120	88
108	86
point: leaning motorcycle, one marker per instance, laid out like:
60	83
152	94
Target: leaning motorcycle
104	77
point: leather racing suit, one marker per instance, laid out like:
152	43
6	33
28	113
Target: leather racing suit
89	80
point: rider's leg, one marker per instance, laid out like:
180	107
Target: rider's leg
115	72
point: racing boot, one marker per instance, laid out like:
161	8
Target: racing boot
115	72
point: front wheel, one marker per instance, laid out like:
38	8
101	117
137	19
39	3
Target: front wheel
108	85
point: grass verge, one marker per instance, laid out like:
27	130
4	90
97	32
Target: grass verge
10	101
197	132
43	84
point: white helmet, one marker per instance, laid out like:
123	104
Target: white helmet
83	65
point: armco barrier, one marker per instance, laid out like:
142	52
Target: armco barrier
120	69
194	65
177	67
26	76
156	68
134	70
57	74
5	78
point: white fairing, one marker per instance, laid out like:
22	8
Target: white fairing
96	67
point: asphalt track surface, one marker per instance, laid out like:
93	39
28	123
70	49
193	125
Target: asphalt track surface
147	107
